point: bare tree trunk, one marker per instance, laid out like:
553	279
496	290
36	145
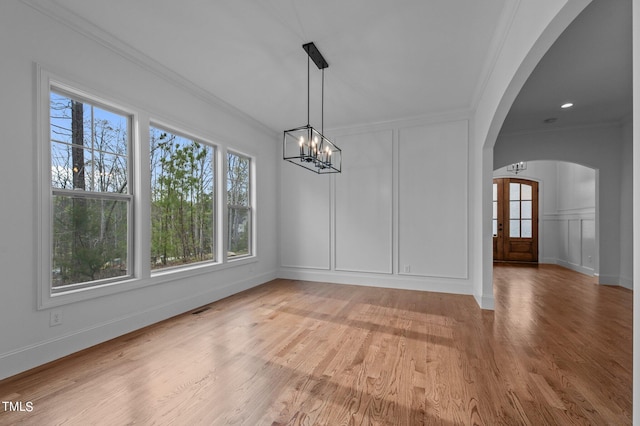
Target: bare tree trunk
77	138
79	204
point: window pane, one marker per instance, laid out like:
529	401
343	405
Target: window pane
182	200
495	209
526	210
495	227
90	233
237	180
89	239
61	174
526	229
514	228
514	210
514	191
495	192
526	192
89	146
239	205
238	231
60	118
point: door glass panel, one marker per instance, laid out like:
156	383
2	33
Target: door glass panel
526	192
514	191
526	229
526	210
514	228
514	210
495	210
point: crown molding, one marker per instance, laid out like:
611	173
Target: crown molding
534	131
420	120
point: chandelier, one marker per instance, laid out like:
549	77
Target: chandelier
306	146
517	167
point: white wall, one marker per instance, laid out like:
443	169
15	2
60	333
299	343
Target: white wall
433	206
28	37
626	207
566	214
397	215
364	204
576	197
635	196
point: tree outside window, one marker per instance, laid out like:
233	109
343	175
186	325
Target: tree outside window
91	203
238	205
182	200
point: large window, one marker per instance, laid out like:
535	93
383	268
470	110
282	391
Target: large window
91	200
182	200
117	212
238	205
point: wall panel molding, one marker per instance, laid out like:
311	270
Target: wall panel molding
433	200
364	204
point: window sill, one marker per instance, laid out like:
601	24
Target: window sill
136	283
180	272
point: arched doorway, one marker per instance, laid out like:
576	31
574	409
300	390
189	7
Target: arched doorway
488	136
566	213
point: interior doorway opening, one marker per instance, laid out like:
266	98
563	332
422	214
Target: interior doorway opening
565	213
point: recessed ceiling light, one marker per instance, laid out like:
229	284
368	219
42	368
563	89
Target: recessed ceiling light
566	105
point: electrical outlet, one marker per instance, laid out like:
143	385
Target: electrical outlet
55	318
407	269
589	259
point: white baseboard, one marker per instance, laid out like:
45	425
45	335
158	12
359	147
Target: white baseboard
402	282
609	280
626	283
575	267
486	302
40	353
602	279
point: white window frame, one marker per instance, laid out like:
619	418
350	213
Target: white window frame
251	208
217	258
140	275
47	295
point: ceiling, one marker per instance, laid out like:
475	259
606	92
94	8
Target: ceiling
590	65
387	60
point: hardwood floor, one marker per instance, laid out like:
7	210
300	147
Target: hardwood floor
556	350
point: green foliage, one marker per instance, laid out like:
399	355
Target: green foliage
238	205
89	158
182	200
89	240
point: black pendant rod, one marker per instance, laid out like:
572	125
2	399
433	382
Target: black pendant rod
308	93
321	63
322	108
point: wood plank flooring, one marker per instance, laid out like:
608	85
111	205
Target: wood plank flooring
556	351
